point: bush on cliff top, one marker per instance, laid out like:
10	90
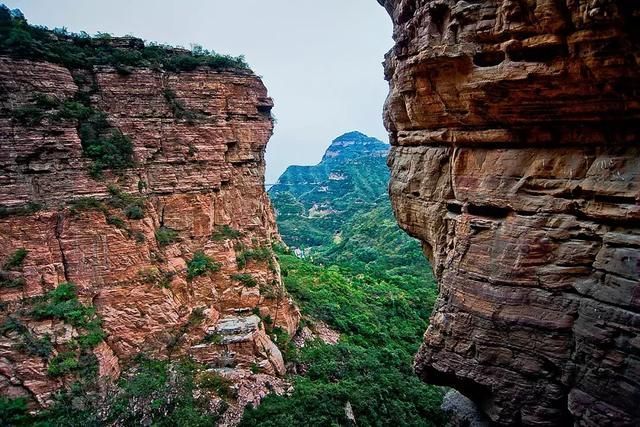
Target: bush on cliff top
20	39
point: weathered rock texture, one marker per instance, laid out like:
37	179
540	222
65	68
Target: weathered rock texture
515	126
195	175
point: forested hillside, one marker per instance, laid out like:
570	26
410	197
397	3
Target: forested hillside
338	211
359	274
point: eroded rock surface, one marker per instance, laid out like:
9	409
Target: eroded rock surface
199	175
515	160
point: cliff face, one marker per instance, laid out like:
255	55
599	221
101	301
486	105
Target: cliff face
173	253
514	127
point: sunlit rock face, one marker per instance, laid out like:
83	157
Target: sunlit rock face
515	160
195	175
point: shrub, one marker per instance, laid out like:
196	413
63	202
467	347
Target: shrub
177	107
134	212
261	254
62	364
14	411
246	279
132	206
166	236
224	232
73	110
117	222
201	264
62	303
15	259
6	282
23	210
86	204
212	381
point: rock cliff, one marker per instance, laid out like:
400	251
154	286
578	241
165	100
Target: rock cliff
172	250
515	160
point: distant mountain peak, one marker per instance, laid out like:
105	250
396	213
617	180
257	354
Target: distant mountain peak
352	136
355	144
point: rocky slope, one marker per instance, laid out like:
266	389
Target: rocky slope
514	127
172	251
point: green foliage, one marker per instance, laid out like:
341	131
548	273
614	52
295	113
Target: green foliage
21	40
201	264
33	345
63	364
62	304
23	210
260	254
246	279
16	259
83	204
106	146
117	222
381	326
225	232
166	236
178	108
210	380
8	282
14	411
160	393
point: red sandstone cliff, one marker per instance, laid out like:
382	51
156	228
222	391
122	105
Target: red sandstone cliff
199	177
515	128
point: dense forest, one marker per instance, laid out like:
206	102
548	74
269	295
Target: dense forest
359	273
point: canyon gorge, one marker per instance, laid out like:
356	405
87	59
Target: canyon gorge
515	161
140	258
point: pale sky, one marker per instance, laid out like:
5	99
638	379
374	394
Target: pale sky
320	60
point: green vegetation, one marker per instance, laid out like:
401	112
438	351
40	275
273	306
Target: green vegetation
246	279
166	236
153	392
381	324
225	232
8	282
177	107
132	206
62	364
83	204
33	345
23	210
16	259
201	264
210	380
14	412
81	51
362	276
314	203
62	303
105	145
259	254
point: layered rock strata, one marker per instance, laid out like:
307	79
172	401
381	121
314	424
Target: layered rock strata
515	160
198	182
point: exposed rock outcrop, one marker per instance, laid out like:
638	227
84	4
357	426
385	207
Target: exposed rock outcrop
197	188
515	160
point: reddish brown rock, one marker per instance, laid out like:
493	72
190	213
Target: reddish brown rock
515	127
194	175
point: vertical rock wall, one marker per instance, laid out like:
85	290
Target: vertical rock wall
199	139
515	160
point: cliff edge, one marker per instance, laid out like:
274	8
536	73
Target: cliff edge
133	215
515	161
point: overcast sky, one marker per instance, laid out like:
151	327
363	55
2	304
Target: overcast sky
320	60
